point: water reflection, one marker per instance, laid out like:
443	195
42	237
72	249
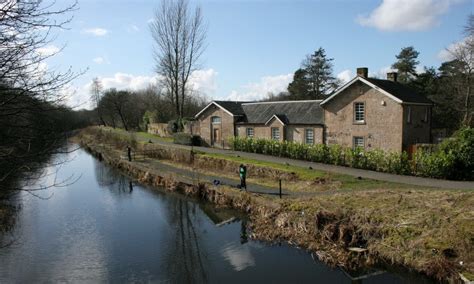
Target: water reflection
111	179
186	257
240	257
105	228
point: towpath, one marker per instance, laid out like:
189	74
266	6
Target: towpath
411	180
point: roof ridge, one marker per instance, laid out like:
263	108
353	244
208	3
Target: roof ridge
281	102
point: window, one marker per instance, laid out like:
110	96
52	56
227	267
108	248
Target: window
309	136
249	132
359	112
427	114
275	133
358	142
215	119
408	114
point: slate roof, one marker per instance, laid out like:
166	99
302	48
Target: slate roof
290	112
233	107
402	92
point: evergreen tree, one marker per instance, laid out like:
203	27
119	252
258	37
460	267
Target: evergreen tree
314	80
299	88
319	74
406	64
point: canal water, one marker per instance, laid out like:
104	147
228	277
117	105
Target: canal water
103	228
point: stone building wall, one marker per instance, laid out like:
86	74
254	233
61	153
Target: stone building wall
296	133
206	128
383	126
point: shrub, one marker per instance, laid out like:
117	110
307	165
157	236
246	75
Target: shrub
175	126
336	155
376	161
453	159
186	139
461	149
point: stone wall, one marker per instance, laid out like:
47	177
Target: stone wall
383	126
160	129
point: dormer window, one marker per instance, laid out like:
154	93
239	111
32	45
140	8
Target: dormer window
359	112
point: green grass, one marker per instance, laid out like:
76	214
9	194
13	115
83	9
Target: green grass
144	136
347	182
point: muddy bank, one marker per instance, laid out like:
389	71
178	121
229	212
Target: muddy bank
334	236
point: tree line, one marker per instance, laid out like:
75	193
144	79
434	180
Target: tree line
33	115
450	86
134	110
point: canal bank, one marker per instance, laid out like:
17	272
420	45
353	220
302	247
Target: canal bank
356	228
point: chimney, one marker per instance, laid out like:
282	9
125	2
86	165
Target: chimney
392	76
362	72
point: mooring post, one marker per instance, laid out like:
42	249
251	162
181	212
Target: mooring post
280	187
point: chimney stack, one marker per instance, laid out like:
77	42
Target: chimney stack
392	76
363	72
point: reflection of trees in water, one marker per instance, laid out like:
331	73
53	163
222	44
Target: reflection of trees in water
185	256
8	218
112	179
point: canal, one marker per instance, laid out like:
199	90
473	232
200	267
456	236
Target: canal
106	228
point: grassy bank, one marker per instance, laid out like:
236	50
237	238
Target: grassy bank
423	229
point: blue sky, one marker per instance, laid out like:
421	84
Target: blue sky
255	46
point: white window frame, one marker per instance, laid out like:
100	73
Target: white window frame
359	111
355	142
249	132
309	139
275	132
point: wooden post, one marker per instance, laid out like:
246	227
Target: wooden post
280	187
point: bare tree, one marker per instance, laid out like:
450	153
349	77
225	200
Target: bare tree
463	54
30	94
96	93
179	36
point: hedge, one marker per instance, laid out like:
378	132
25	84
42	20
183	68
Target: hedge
453	159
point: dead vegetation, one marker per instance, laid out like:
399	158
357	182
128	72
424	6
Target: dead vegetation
430	231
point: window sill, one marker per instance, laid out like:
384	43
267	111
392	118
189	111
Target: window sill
359	123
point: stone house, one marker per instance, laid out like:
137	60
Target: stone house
366	112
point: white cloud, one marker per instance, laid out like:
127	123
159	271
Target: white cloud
258	91
99	60
128	81
150	21
406	15
345	76
447	53
48	50
96	31
382	72
202	81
